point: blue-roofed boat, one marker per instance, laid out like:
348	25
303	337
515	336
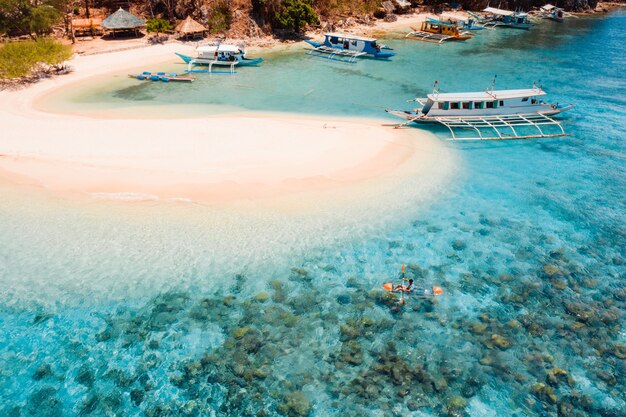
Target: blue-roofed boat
469	24
223	55
347	48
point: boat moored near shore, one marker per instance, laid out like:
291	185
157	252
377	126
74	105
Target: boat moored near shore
507	19
347	48
438	32
506	114
551	12
224	55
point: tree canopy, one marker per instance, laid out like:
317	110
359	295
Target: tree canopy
295	14
36	18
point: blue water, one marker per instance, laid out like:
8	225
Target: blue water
528	242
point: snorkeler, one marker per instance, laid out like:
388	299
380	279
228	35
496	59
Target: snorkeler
402	287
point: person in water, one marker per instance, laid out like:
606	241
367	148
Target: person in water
404	288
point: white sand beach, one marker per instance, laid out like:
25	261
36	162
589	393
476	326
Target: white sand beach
209	159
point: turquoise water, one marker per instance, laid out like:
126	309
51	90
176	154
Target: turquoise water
528	241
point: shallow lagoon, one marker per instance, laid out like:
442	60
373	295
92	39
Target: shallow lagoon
528	242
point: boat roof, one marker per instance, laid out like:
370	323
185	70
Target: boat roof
219	48
499	12
487	95
348	36
547	7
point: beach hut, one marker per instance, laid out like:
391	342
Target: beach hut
86	27
123	21
190	27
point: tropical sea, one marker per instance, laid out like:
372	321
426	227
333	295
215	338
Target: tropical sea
180	309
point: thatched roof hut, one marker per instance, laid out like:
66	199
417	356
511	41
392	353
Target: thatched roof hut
122	20
190	27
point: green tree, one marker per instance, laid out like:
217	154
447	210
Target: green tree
42	18
158	25
220	17
295	14
20	17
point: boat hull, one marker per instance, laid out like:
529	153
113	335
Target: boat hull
245	62
419	117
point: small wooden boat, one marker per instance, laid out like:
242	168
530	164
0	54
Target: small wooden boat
490	114
162	76
347	48
438	32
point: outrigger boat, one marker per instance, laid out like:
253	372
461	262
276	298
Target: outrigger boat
469	24
491	114
223	55
438	32
552	12
507	19
347	48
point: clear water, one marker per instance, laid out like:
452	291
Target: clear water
146	309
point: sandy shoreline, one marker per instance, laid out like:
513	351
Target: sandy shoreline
208	159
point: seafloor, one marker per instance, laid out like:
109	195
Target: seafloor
135	313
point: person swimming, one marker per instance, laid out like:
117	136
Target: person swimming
404	288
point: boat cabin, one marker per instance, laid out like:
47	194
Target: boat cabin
442	28
484	103
220	52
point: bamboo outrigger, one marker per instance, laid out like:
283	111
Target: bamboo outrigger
438	32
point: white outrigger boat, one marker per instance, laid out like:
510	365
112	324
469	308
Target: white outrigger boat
491	114
507	19
348	48
551	12
221	55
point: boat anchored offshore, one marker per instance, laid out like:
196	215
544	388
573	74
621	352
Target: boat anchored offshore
490	114
347	48
507	19
223	55
438	32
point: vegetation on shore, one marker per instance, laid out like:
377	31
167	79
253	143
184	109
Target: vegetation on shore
232	17
29	60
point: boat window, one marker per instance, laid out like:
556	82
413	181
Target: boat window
501	102
467	105
454	105
533	101
525	99
354	43
445	105
479	105
489	104
334	39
